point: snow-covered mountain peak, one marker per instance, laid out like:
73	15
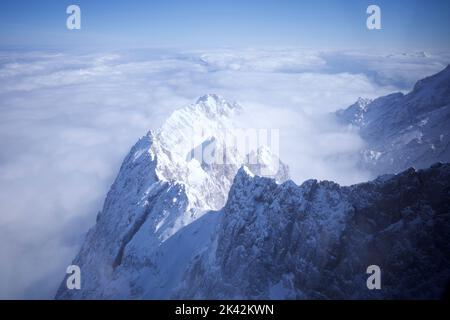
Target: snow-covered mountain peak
215	105
264	162
171	177
355	113
197	147
186	128
403	130
362	103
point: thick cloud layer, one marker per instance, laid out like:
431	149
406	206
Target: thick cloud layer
67	120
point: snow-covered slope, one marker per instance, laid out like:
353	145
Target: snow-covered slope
317	240
163	186
404	130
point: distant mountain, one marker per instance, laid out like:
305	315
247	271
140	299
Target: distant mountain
400	130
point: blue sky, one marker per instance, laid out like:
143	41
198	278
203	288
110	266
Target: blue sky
416	24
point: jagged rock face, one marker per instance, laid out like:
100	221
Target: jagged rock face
404	130
163	187
317	240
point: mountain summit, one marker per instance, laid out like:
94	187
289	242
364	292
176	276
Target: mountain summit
170	178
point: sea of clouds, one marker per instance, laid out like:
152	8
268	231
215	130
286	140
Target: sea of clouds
68	119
